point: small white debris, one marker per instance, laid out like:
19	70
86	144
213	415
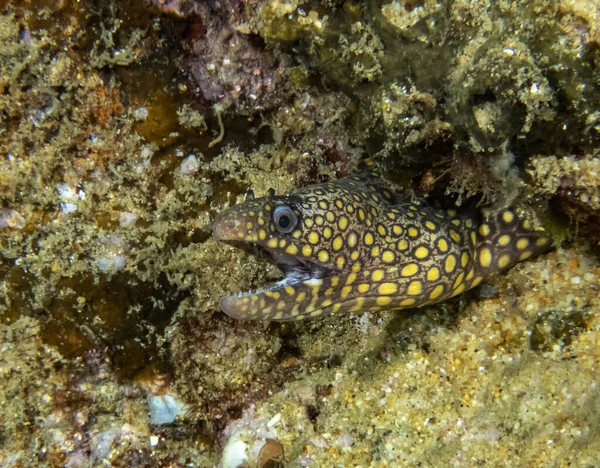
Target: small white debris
165	408
127	219
111	261
104	264
66	192
67	207
274	420
119	261
140	114
344	441
69	197
189	165
575	280
305	101
319	442
153	441
235	452
114	253
11	219
102	443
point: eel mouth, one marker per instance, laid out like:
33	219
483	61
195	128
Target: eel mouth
295	270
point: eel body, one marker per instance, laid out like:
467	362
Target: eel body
354	245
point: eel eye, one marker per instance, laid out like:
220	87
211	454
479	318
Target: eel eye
285	219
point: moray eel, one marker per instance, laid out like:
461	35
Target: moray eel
355	245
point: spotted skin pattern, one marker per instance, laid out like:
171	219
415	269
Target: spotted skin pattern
368	248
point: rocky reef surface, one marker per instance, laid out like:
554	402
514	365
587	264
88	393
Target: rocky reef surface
125	126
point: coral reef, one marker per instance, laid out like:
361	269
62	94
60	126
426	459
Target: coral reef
126	126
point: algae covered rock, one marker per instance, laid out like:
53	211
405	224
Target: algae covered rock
501	78
125	127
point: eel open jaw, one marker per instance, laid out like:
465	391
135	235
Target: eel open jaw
295	270
277	301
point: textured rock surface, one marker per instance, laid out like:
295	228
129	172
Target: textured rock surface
112	167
